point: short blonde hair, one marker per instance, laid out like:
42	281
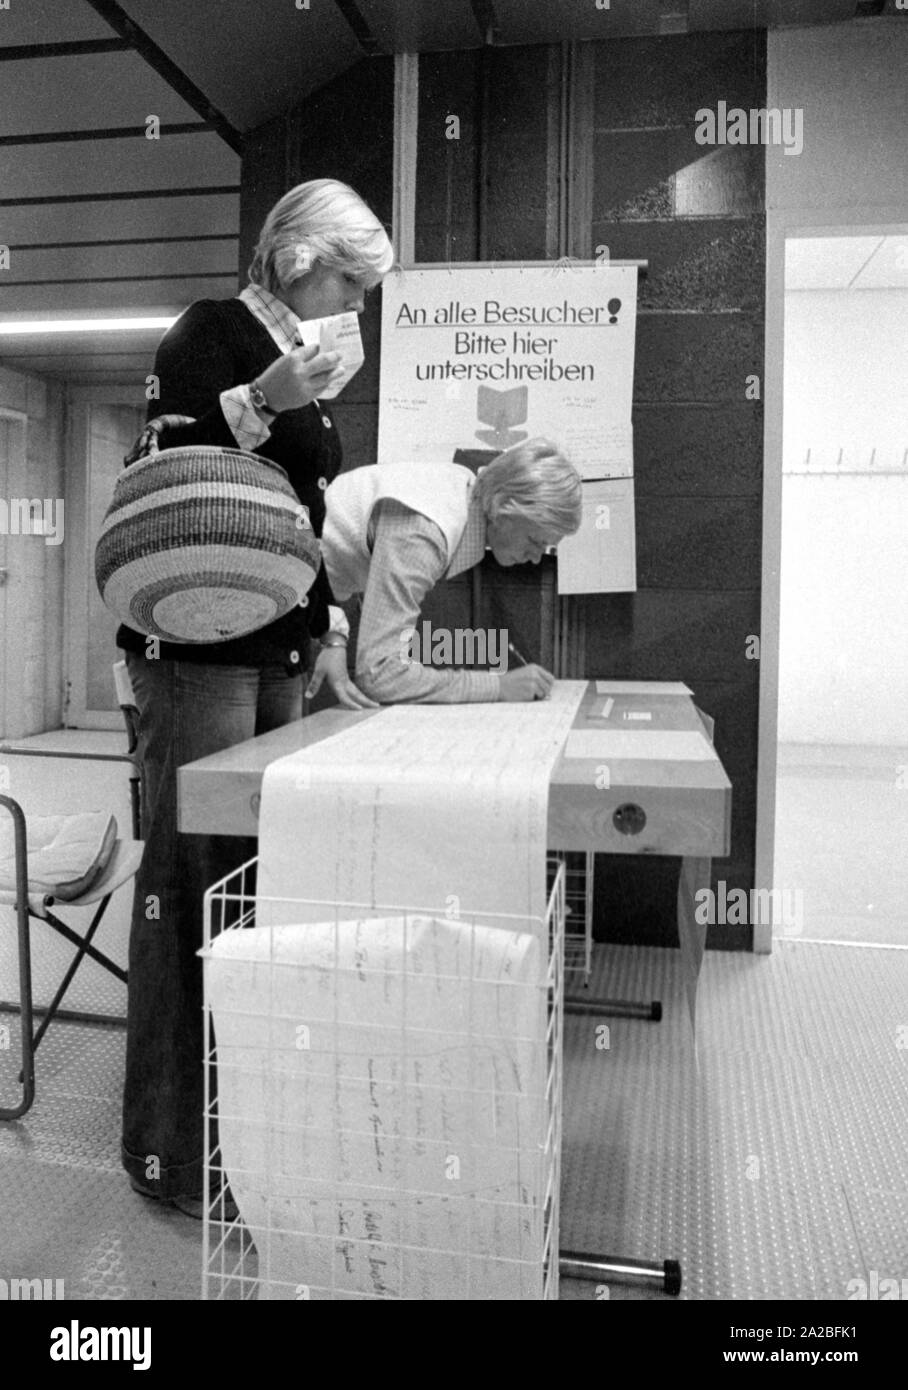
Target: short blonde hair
534	481
320	222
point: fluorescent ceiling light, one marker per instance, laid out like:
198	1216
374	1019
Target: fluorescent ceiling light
25	326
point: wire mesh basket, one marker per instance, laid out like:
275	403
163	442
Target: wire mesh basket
382	1100
579	883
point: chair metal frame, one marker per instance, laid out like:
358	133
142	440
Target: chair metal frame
121	867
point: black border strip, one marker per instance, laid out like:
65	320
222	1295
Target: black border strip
212	190
71	49
119	279
123	241
131	132
359	25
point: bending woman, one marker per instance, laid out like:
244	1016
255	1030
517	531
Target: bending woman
234	366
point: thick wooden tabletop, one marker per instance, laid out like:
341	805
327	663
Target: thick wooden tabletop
652	805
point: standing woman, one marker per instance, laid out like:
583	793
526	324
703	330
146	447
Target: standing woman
234	367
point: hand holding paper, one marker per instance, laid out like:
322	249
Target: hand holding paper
339	336
298	378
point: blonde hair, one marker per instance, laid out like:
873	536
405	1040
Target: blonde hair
320	222
534	481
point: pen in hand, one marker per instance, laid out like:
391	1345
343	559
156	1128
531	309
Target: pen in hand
542	682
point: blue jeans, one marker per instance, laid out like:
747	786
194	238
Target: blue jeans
187	710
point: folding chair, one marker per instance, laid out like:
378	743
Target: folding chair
31	900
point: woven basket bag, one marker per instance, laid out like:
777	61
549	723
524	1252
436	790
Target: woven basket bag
202	544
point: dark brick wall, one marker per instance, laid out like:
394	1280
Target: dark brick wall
698	216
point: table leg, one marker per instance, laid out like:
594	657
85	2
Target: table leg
695	875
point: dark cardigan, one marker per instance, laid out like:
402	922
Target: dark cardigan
214	345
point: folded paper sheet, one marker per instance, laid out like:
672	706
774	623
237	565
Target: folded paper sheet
385	1076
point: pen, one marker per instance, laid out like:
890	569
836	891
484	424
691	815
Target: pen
514	652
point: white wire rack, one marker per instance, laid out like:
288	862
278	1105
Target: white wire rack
388	1124
579	871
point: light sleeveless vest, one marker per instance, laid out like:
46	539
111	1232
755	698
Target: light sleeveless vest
439	491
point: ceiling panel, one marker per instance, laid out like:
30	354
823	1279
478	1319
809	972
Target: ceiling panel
541	21
84	93
174	161
51	21
119	297
192	215
765	14
249	66
120	356
414	26
81	262
134	365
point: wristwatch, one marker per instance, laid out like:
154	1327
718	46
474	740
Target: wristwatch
260	400
334	639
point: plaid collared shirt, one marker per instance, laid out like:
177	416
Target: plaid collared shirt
409	557
249	429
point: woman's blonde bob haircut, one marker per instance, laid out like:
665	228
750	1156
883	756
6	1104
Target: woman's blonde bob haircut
321	222
536	482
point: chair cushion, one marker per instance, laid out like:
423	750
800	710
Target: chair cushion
66	854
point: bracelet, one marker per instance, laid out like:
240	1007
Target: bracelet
334	639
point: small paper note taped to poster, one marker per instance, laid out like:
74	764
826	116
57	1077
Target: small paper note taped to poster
600	557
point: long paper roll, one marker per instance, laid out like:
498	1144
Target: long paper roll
407	1148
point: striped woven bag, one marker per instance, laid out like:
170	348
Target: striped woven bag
202	544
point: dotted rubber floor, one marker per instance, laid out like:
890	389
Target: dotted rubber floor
774	1164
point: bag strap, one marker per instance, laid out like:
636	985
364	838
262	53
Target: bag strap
149	441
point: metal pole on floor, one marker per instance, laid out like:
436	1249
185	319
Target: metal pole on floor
612	1008
599	1269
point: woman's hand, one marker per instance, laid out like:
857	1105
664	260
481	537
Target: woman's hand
298	377
526	683
331	665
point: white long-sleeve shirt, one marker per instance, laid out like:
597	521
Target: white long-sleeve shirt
409	557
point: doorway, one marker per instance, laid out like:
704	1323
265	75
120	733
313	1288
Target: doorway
841	782
13	573
104	423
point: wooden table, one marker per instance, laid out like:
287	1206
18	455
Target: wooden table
662	806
